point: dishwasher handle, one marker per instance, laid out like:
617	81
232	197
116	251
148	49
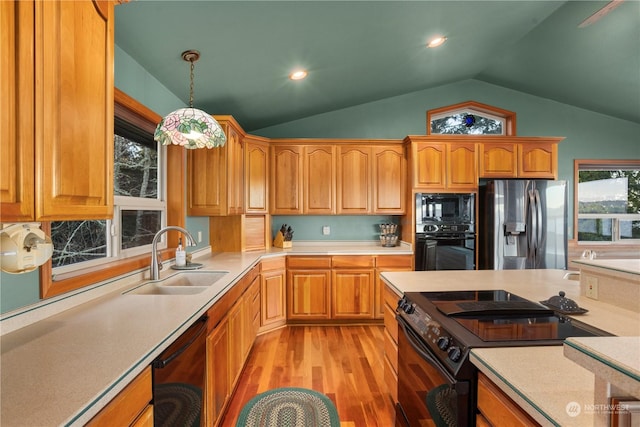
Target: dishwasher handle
162	363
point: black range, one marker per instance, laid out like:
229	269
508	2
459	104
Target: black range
436	380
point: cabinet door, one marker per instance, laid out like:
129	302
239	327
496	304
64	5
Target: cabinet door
235	184
308	294
429	165
319	180
462	171
217	372
236	342
17	111
273	298
256	176
215	177
354	180
538	160
498	160
74	94
352	294
389	180
207	181
286	180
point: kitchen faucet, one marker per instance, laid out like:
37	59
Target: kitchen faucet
156	266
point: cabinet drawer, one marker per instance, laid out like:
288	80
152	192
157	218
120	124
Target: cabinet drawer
353	261
498	408
305	262
394	261
128	404
272	264
391	298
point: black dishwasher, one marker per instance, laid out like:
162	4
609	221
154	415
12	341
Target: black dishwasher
178	379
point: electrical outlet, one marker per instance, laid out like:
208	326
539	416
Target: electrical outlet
199	236
592	287
326	230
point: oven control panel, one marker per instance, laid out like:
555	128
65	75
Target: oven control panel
442	344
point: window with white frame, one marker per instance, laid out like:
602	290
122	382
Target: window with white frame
139	206
608	201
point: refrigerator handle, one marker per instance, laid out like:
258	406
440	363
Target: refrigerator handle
539	217
531	234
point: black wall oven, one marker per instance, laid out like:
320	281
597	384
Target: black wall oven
445	231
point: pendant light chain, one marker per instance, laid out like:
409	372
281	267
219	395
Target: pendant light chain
191	86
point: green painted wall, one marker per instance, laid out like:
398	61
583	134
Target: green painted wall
588	136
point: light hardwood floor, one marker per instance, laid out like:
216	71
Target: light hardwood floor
346	363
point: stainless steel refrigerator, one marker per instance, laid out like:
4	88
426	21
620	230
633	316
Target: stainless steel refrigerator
523	225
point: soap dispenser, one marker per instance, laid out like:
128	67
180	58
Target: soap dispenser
181	255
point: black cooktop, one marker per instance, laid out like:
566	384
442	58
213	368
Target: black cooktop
501	316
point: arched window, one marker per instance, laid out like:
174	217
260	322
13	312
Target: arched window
471	118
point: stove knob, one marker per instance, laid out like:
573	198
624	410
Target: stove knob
454	353
409	309
443	343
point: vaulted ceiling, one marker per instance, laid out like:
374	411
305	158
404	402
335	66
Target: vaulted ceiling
362	51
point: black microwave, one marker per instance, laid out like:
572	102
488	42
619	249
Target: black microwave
453	208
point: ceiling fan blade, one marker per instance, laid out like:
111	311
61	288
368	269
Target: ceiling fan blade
600	13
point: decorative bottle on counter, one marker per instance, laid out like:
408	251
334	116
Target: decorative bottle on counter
181	255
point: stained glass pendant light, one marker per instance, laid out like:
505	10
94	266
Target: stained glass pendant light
190	127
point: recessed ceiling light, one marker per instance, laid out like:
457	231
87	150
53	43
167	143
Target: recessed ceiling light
298	75
437	41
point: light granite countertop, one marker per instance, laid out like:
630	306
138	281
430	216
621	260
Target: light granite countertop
631	266
540	379
64	358
615	359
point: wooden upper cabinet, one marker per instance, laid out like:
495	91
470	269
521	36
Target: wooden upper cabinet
74	141
520	158
215	177
461	166
71	136
17	111
429	165
444	166
498	160
538	160
389	180
319	183
286	180
354	180
256	176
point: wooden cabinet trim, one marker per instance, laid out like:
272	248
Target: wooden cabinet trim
275	263
394	261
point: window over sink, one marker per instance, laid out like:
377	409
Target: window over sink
148	193
139	205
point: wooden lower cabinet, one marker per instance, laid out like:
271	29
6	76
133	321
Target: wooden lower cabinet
131	407
218	388
308	288
388	263
497	409
272	290
391	298
352	294
233	325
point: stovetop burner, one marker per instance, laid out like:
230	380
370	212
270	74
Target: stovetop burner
499	318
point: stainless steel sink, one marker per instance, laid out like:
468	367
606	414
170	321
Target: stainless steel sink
187	283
